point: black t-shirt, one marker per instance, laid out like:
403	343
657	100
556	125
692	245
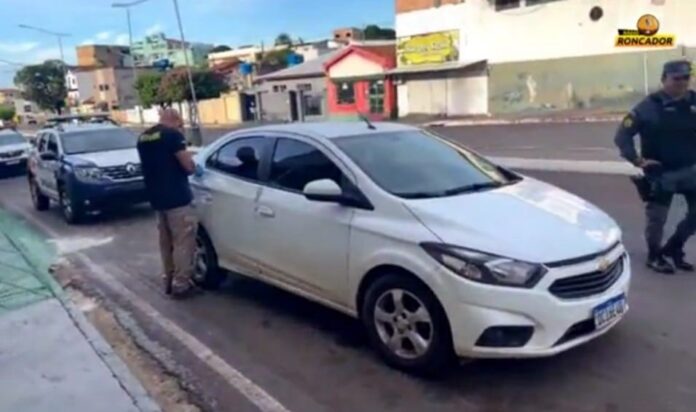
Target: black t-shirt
166	181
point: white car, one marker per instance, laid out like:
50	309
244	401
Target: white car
438	251
14	150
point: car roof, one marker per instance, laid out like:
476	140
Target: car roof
332	130
80	127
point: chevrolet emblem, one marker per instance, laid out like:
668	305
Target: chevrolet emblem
604	265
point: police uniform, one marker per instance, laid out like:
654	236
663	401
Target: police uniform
667	129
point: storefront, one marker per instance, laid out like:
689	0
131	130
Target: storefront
357	82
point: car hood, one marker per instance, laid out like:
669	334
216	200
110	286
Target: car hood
530	221
106	159
15	147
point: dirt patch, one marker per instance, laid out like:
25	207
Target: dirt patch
164	387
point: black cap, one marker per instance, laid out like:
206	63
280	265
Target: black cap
677	68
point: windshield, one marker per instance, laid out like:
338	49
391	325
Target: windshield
98	141
11	138
415	164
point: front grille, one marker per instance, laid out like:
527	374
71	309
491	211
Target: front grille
577	331
10	155
588	284
125	172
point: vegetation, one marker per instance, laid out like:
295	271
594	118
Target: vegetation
7	112
374	32
44	84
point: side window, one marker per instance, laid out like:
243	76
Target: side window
52	145
240	158
296	163
41	142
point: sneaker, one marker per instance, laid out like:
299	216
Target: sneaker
680	263
660	265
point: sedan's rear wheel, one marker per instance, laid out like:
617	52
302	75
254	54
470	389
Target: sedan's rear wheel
407	325
207	274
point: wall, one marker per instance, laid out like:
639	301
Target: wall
405	6
85	85
101	55
275	105
609	82
555	29
223	110
452	93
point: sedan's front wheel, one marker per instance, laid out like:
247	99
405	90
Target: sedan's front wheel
407	325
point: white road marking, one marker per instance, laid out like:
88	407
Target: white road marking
250	390
576	166
70	245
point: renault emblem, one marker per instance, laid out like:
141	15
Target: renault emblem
130	168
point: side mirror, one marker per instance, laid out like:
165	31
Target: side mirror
324	190
48	156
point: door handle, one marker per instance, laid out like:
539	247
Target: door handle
265	211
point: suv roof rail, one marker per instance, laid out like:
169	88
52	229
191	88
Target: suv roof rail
81	118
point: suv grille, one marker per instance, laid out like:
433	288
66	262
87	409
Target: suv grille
10	155
125	172
588	284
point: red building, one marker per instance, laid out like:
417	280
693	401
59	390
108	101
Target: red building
357	81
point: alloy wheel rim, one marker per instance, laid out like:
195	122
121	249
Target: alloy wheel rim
403	323
200	261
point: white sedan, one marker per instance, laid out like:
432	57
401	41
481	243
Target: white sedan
439	252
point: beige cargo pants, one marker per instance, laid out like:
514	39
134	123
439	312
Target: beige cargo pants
177	237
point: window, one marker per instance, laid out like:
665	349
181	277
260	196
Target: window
305	87
297	163
27	108
280	88
241	157
538	2
98	141
345	92
507	4
41	145
417	165
52	145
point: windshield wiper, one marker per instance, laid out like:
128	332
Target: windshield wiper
477	187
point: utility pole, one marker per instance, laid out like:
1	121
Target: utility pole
196	137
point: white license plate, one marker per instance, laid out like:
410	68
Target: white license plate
609	311
12	162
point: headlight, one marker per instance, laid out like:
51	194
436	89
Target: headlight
89	173
484	267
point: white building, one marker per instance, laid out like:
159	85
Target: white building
511	34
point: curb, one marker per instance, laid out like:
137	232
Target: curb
503	122
130	385
574	166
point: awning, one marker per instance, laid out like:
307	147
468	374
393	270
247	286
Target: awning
426	68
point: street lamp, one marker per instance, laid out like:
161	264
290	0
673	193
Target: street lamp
127	6
195	128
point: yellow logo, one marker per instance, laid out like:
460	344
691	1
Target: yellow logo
628	122
430	48
645	35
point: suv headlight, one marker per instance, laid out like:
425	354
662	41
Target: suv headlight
484	267
90	174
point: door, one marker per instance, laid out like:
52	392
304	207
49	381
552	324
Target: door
226	195
375	96
47	169
305	243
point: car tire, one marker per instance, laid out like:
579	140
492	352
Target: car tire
40	201
207	273
413	336
72	214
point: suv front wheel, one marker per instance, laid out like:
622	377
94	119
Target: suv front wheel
71	212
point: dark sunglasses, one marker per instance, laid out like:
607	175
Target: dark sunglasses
682	78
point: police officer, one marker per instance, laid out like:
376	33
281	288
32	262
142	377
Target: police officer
666	122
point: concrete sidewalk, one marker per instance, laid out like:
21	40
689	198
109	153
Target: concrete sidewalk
51	357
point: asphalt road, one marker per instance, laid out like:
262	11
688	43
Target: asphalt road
313	359
573	141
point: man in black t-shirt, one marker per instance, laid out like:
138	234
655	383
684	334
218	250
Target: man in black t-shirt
166	166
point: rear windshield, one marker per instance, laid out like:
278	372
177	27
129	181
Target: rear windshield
98	141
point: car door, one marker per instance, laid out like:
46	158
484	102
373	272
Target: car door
226	195
304	242
47	168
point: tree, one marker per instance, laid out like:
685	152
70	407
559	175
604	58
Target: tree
7	112
44	84
283	39
275	60
148	87
174	86
221	48
374	32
